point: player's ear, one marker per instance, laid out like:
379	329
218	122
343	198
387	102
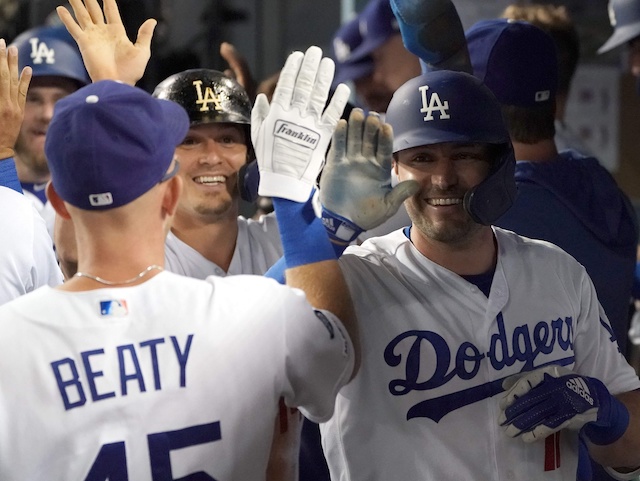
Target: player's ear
394	164
57	202
172	195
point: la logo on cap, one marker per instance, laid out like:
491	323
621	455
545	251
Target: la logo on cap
40	51
432	103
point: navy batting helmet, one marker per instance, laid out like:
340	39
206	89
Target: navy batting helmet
624	16
448	106
51	52
208	96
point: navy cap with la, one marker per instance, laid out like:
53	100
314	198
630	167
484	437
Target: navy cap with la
109	143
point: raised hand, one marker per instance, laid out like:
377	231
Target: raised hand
355	186
539	403
13	95
107	52
238	68
291	135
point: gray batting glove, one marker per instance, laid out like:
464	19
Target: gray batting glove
291	135
355	186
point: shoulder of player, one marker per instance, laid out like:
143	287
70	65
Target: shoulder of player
534	249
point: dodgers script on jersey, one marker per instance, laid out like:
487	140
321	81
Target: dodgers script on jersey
258	247
174	377
435	353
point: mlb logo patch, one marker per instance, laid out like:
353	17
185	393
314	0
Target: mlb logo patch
114	307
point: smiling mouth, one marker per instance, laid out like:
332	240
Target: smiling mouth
447	201
210	179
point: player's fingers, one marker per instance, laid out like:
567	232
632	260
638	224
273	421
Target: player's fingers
145	33
384	151
95	12
5	80
111	12
338	143
336	106
69	22
81	14
23	85
258	113
370	136
306	78
12	64
284	88
354	136
320	92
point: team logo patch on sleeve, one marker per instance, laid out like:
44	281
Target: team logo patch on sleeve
114	307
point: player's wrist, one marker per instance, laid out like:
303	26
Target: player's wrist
611	424
341	230
304	239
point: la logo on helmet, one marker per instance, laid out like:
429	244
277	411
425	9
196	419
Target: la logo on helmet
208	97
40	52
433	103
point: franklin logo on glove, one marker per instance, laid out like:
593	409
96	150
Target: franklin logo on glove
297	134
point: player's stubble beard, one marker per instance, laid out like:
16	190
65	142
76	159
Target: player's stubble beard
216	207
451	230
34	159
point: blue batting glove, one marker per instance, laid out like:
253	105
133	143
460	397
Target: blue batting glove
544	401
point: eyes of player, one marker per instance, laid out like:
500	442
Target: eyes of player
225	137
459	153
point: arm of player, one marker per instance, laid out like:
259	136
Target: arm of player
291	137
238	68
13	95
107	52
432	30
355	186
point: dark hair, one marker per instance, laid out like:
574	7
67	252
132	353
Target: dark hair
530	125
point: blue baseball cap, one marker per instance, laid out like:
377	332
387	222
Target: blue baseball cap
516	60
109	143
624	17
346	40
51	51
376	24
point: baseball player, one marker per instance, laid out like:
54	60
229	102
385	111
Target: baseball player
28	261
485	356
57	71
144	374
624	16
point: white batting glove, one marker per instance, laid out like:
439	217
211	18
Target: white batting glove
291	135
355	186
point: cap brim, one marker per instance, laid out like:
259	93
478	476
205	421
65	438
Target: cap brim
177	120
621	36
367	47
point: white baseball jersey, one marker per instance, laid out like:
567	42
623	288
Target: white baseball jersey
28	260
258	247
169	378
435	350
45	209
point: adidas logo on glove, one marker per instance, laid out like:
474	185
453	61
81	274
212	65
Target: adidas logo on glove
578	386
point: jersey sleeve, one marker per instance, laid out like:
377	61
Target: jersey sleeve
319	359
597	353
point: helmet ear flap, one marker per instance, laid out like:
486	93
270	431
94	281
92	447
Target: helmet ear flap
492	197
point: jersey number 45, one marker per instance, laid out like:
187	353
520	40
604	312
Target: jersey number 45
111	462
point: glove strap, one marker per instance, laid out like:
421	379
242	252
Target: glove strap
340	230
614	428
304	239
